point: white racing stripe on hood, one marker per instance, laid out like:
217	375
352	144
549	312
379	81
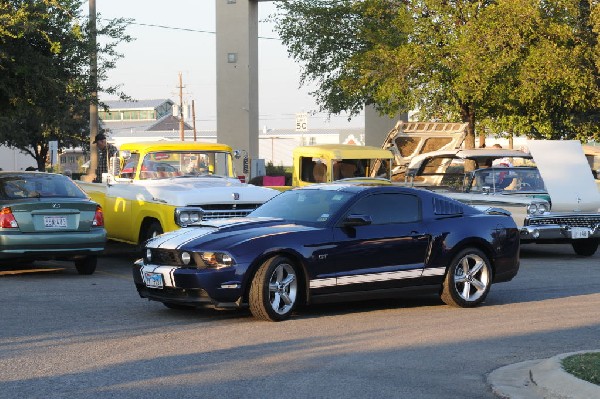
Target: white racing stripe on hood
179	237
221	223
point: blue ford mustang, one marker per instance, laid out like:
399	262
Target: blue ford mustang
332	241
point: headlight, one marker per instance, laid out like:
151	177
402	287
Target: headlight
186	258
217	260
148	255
185	216
538	208
532	209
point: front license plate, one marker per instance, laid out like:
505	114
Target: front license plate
55	222
579	232
153	280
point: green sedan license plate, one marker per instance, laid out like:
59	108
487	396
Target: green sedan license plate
55	222
152	280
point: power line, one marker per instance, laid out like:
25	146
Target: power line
191	30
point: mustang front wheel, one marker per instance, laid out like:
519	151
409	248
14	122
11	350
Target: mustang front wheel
468	279
274	290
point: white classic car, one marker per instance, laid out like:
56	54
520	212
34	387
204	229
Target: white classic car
550	190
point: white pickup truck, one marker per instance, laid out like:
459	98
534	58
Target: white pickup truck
162	186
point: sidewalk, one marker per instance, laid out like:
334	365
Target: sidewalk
543	378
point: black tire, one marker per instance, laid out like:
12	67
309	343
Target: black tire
274	290
87	265
177	306
468	279
585	247
152	230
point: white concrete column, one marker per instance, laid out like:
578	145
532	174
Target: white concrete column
237	75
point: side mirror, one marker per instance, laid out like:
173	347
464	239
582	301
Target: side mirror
357	220
125	155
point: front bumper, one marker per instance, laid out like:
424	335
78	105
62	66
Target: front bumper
220	288
561	228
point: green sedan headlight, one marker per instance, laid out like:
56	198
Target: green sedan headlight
217	260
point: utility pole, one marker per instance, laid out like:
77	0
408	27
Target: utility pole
94	94
181	127
194	118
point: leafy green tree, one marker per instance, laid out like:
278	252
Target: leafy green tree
524	66
44	73
542	65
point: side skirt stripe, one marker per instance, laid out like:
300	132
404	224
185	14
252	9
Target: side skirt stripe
377	277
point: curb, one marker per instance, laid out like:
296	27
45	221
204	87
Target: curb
543	378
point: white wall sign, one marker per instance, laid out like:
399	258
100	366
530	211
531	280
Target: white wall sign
302	122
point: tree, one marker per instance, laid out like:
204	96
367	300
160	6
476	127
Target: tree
44	73
523	65
546	80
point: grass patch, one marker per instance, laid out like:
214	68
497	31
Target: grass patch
585	366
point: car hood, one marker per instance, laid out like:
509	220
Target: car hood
410	139
566	174
235	230
185	191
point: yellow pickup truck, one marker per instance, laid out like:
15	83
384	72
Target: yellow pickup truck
160	186
330	162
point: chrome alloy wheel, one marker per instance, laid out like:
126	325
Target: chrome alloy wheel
283	286
471	277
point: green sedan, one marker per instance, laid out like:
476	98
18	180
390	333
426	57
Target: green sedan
47	216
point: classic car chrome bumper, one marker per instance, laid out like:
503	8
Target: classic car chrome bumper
561	227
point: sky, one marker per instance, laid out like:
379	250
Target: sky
152	63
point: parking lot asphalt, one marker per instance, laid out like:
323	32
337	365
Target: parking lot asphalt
527	379
533	379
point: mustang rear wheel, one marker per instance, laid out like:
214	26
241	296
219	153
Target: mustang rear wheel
86	265
585	247
468	279
274	290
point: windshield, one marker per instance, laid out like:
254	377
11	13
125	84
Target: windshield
507	180
168	164
314	207
315	169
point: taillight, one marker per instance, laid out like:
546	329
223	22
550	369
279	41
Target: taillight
7	219
98	217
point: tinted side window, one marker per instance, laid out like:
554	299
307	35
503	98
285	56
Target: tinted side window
389	208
